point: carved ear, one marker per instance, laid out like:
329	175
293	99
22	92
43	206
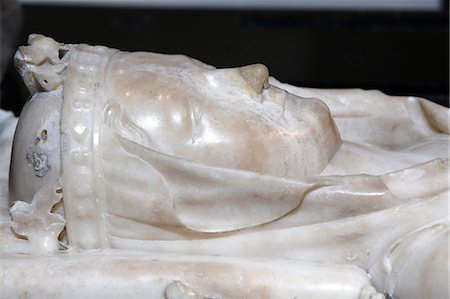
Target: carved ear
213	199
256	75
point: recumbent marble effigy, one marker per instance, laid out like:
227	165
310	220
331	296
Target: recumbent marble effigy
157	176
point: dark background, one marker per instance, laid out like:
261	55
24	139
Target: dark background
400	53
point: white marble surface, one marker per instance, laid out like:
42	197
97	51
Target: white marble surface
255	189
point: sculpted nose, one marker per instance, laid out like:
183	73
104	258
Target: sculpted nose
256	75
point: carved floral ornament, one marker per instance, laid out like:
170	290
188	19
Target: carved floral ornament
218	183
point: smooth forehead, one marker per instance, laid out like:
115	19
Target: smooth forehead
140	75
155	62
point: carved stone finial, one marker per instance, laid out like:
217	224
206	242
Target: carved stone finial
37	222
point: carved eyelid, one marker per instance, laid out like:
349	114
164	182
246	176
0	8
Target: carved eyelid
117	119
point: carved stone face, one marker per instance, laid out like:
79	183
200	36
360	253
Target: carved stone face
221	117
228	118
165	154
117	116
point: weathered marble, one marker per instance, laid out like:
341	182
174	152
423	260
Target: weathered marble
142	174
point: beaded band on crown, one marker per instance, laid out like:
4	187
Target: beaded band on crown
83	103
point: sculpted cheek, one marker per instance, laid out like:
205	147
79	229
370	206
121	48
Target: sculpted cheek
253	152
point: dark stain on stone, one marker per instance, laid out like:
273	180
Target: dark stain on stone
39	162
